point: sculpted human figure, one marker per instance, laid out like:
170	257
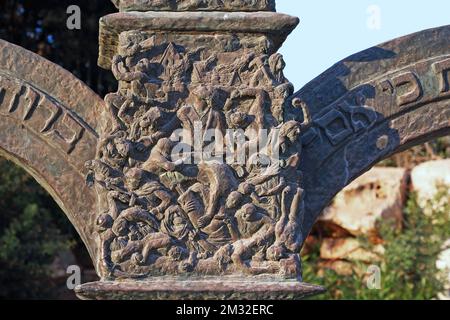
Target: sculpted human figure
147	125
257	114
137	235
222	228
231	69
280	97
115	150
159	160
256	230
262	74
199	110
103	174
177	225
202	68
148	193
277	65
221	181
288	237
124	71
286	140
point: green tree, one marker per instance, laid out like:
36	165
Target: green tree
32	228
32	231
408	267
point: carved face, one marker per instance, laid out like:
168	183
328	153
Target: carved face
120	227
246	188
133	179
122	147
277	64
239	120
280	64
276	253
104	222
142	65
151	118
177	253
249	213
203	96
233	200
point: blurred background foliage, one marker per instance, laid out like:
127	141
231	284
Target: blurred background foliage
33	230
408	266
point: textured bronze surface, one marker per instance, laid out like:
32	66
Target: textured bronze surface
207	289
195	5
159	227
403	88
275	26
49	122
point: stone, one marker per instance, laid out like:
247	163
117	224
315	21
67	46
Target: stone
349	249
340	267
430	178
377	195
193	5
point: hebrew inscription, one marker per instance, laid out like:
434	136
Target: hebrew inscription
43	115
442	69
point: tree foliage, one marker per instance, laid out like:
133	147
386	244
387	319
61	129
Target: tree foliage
32	228
32	231
40	26
408	267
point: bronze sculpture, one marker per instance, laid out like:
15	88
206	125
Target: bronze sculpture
153	177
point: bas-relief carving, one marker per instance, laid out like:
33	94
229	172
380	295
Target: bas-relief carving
201	5
165	217
217	225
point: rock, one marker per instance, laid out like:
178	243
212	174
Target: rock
349	249
428	178
310	245
379	194
342	268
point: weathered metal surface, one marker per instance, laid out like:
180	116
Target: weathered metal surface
158	226
275	26
195	5
160	216
204	289
371	105
48	123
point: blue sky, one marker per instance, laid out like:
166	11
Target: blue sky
331	30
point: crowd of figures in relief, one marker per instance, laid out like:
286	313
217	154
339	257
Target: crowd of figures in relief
161	216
